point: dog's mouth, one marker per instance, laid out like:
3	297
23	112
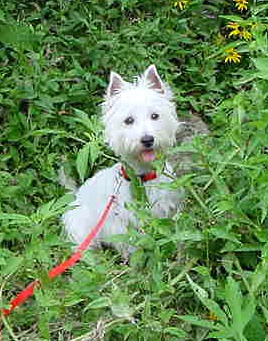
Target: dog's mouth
148	155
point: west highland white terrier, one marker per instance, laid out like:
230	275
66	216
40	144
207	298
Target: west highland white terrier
140	121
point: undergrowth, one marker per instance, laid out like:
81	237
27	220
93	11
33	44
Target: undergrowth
55	61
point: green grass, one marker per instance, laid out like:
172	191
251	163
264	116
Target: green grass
55	59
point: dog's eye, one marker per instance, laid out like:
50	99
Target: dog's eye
129	120
154	116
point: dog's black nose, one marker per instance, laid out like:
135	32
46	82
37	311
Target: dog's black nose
147	141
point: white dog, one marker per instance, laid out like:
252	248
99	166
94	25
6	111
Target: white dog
140	120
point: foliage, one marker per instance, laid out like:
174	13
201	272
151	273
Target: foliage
55	60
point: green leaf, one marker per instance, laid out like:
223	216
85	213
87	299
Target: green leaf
72	301
262	66
18	35
255	330
234	300
118	238
99	303
197	322
265	313
248	310
94	152
82	161
46	298
224	232
15	218
175	331
52	208
211	305
83	118
259	276
136	186
260	159
122	311
12	266
236	19
181	181
261	7
222	334
200	292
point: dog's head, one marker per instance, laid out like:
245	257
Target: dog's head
140	117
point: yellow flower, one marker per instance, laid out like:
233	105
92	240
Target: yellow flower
181	4
239	31
235	29
233	26
241	5
232	56
246	35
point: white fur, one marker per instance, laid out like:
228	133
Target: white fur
146	96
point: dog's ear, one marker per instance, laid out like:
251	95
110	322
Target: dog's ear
154	81
116	84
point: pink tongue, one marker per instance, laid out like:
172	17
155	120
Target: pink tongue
148	155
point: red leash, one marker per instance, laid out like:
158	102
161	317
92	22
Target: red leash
59	269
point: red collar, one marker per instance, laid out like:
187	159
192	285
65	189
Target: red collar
144	177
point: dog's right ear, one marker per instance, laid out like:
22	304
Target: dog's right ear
115	85
153	78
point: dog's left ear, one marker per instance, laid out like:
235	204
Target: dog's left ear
154	81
